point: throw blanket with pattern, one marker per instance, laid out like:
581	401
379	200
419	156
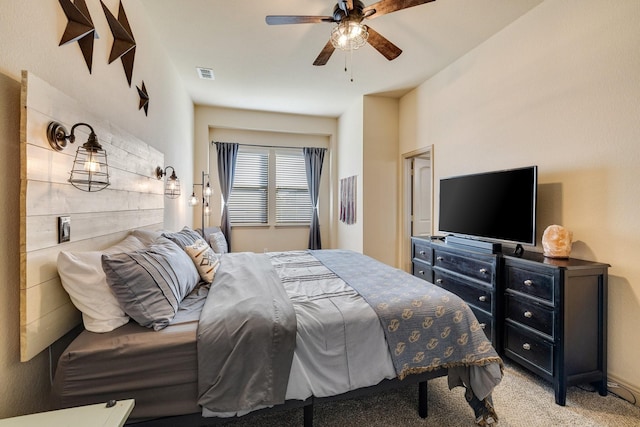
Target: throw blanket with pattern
426	326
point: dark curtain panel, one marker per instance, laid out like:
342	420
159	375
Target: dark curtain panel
313	158
227	154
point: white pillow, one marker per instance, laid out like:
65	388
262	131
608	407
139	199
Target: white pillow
84	280
148	237
204	258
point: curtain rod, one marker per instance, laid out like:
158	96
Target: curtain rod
266	146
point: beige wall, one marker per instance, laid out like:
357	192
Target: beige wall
558	88
29	35
349	163
265	128
368	148
380	183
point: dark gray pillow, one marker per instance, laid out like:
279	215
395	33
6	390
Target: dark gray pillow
183	238
208	231
218	242
150	283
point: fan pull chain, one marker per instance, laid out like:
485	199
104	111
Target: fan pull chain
346	68
348	60
351	55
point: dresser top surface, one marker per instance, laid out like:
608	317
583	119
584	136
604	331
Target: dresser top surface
539	258
527	255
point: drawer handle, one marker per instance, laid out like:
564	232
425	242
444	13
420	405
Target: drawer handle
483	271
483	325
482	298
528	282
440	258
528	314
526	346
423	253
439	281
421	272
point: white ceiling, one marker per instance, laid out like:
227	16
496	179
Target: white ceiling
265	67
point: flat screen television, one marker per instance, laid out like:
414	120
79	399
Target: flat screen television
497	206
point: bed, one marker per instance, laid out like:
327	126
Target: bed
271	330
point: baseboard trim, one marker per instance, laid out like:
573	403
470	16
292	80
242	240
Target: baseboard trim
625	391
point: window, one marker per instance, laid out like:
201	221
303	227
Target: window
248	199
270	187
293	203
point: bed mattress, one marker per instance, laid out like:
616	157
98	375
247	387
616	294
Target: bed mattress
157	368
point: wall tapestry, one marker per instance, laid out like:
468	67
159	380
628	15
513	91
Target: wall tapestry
348	188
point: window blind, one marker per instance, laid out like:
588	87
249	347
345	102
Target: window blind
293	204
288	194
248	202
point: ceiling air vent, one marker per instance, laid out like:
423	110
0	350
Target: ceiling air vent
205	73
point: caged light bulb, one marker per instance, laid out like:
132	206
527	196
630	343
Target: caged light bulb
92	164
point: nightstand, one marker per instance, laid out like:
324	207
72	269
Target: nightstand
98	415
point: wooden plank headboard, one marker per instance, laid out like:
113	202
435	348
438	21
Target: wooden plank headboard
98	219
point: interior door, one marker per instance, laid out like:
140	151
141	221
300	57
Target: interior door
421	197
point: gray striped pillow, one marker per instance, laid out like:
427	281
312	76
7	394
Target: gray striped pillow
150	283
185	237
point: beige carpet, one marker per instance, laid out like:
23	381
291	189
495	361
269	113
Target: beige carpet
521	400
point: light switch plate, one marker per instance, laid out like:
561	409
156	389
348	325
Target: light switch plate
64	229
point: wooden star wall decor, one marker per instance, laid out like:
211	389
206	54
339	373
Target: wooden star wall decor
79	28
144	98
124	45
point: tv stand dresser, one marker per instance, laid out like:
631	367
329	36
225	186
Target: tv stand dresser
548	315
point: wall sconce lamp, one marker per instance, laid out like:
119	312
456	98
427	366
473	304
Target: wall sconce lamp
172	183
90	171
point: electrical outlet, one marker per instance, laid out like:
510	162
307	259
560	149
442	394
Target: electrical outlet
64	229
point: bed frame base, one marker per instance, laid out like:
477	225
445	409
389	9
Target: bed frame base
196	420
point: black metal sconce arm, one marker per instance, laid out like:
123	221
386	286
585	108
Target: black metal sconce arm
58	137
162	172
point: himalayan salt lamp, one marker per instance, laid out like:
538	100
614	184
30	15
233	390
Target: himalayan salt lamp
556	242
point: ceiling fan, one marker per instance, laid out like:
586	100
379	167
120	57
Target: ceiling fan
351	33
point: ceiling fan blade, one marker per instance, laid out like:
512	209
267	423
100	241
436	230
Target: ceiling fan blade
345	5
387	6
292	19
325	54
382	45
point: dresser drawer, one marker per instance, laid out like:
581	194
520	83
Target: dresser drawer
529	282
476	295
486	322
422	251
422	270
530	313
530	347
483	270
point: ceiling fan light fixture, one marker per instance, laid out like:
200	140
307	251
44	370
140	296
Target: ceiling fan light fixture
349	35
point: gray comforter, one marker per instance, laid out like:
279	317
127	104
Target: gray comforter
245	348
248	327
